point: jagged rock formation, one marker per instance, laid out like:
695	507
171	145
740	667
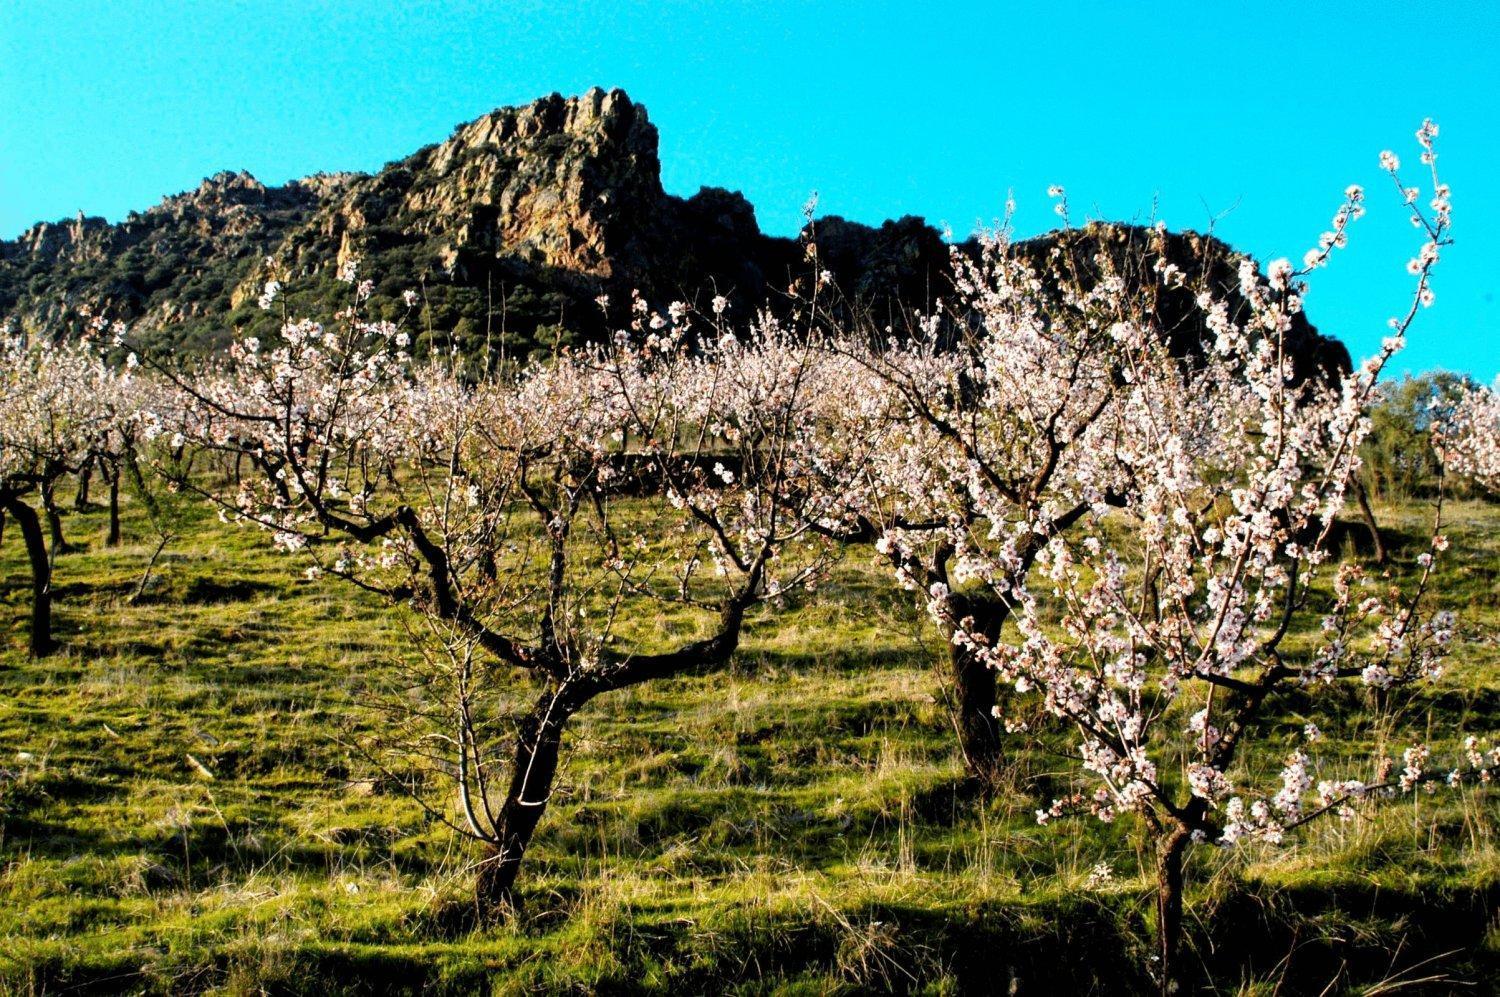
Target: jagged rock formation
565	185
510	228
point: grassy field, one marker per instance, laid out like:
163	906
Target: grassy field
180	812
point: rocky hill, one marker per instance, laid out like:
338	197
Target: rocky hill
510	229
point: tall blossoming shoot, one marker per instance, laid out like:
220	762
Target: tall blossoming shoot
1197	500
499	511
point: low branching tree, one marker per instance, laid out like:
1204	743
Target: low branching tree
996	421
493	509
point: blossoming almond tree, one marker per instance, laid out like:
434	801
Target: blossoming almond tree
492	510
1156	627
56	401
997	435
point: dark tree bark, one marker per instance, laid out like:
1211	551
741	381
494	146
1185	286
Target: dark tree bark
539	739
538	744
85	475
979	733
54	517
1170	854
41	642
112	472
976	692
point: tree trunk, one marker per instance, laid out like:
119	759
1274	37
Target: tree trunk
1377	544
113	539
978	730
538	743
54	518
976	693
85	475
41	642
1170	853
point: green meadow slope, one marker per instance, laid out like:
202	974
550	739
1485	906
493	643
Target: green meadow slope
181	811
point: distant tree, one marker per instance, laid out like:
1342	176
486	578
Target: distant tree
1399	460
1467	436
56	402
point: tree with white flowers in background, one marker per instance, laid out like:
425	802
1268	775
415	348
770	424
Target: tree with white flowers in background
57	400
1003	402
1468	438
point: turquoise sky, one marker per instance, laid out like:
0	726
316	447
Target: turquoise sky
1249	117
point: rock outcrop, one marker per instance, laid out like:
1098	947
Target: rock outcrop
571	185
174	263
512	228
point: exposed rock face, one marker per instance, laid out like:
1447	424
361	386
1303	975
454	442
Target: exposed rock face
551	204
175	262
1133	252
511	227
570	185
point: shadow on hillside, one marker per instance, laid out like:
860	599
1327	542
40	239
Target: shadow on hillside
1295	941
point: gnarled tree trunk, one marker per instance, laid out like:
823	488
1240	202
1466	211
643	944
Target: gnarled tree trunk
539	739
54	517
976	692
538	743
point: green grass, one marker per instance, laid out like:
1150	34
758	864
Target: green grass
799	823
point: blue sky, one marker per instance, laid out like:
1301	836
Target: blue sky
1252	117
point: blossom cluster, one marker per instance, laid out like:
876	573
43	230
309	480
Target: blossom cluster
1468	439
465	496
59	401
